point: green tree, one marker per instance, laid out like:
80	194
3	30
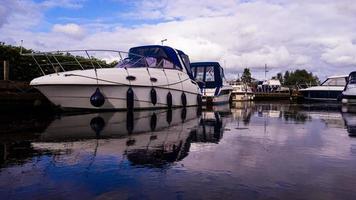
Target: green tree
246	76
25	68
300	77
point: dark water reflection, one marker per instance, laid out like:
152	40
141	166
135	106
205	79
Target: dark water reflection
249	151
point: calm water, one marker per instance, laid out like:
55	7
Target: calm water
249	151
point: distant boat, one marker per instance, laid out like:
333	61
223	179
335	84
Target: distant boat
241	92
329	90
211	80
349	93
148	77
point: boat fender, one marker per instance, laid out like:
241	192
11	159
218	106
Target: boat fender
199	100
97	99
153	122
169	100
153	95
169	116
130	99
184	100
129	122
183	115
97	124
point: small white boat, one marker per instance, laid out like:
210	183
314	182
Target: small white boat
211	80
241	92
349	93
149	77
329	90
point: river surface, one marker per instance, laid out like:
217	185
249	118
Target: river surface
249	151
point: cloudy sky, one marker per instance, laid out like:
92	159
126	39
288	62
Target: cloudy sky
318	35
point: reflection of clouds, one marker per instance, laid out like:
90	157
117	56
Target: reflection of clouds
272	150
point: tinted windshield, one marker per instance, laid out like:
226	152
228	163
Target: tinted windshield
199	76
209	77
335	82
146	62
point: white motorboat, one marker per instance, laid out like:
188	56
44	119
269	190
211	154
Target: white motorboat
349	93
329	90
148	77
241	92
211	80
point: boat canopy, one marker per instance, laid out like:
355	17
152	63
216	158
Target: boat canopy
152	56
335	81
208	74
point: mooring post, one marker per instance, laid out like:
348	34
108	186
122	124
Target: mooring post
6	70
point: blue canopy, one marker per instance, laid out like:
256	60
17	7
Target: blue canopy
156	51
218	74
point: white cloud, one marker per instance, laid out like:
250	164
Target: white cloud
317	35
341	55
73	30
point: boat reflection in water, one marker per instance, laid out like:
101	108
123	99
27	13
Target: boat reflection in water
149	138
349	116
146	137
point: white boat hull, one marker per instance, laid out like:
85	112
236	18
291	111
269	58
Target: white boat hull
242	96
223	97
78	96
73	89
322	93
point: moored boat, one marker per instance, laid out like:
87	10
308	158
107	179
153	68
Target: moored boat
241	92
148	77
211	80
329	90
349	93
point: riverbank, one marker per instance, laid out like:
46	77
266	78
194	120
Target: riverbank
20	95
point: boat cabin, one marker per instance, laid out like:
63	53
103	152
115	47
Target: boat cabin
208	74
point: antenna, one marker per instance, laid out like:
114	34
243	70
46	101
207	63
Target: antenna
266	72
164	40
21	47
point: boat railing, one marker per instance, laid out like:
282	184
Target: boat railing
68	60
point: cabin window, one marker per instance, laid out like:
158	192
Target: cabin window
151	62
209	76
335	82
168	65
199	74
352	78
186	62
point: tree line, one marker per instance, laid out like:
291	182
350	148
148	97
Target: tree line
289	78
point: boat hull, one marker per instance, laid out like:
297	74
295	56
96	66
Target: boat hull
242	96
78	96
223	97
74	89
321	95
